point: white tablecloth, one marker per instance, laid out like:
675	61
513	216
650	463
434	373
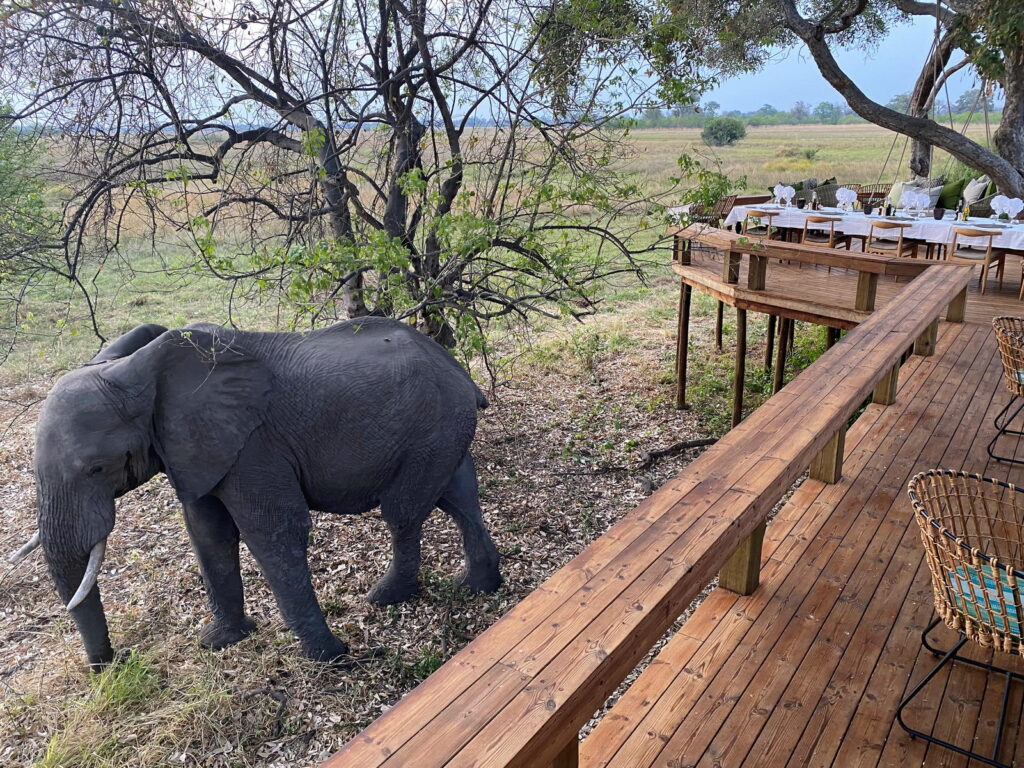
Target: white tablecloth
928	229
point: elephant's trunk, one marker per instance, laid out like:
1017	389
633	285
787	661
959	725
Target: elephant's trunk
74	548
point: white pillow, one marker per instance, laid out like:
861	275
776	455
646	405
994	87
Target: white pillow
975	190
895	193
932	192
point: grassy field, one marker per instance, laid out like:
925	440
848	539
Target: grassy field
851	153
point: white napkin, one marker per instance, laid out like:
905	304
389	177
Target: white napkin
1014	206
1000	204
845	196
777	191
908	199
924	200
789	193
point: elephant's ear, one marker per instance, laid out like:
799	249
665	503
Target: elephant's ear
208	396
130	342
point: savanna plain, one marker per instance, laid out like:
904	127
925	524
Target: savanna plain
562	453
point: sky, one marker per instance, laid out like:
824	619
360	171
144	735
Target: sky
881	74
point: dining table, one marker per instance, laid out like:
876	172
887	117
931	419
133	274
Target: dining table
927	228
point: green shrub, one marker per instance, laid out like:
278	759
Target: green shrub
723	131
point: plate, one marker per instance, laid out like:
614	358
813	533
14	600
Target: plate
988	225
899	218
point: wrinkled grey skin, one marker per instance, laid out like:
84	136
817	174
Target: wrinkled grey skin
254	430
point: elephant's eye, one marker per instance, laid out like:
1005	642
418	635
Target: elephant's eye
95	470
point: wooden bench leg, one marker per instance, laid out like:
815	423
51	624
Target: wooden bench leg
718	325
828	465
925	344
741	366
757	272
731	268
957	308
682	343
769	344
742	572
867	286
569	757
885	390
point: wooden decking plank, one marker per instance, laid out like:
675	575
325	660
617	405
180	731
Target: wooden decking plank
843	593
830	649
759	641
824	736
890	744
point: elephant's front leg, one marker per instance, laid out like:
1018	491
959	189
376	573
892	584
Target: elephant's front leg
214	538
277	535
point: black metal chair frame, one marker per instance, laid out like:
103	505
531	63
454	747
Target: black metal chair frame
1003	428
946	657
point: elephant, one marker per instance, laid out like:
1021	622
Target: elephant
254	430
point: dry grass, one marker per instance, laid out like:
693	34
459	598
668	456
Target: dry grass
851	153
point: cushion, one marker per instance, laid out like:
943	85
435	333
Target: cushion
933	192
950	194
969	587
895	193
974	190
828	181
991	189
932	182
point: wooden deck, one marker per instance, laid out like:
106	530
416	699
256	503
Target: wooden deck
809	669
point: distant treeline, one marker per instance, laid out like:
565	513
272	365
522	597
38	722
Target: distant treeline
968	106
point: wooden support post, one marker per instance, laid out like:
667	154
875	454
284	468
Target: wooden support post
867	285
769	344
682	343
957	308
569	757
780	357
831	336
885	390
828	465
742	572
757	272
925	344
718	326
731	267
741	366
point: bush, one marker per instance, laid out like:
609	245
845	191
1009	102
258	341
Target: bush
723	131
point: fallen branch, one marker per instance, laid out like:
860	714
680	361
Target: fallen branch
648	459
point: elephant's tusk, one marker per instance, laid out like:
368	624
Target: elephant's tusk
24	552
92	570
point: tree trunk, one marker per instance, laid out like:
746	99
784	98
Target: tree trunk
923	98
1009	136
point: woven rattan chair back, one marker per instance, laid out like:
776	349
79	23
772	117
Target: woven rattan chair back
1010	338
972	531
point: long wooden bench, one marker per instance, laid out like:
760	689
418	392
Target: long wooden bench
519	693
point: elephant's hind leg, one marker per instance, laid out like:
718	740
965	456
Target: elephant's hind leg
215	541
402	579
461	500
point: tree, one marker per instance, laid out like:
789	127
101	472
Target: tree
712	108
986	33
899	103
449	163
723	131
826	112
971	101
801	112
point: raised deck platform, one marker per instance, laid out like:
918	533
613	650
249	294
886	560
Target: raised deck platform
810	668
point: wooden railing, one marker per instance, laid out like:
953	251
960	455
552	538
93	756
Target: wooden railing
518	694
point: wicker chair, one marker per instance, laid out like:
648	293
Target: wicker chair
873	193
973	533
702	215
1009	333
982	208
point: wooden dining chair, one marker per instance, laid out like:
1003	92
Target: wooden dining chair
881	229
763	227
819	236
987	256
